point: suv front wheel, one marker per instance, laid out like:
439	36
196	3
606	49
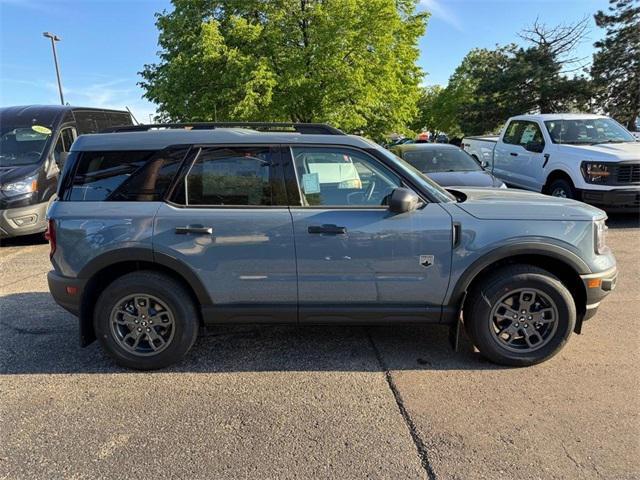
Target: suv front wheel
520	315
146	320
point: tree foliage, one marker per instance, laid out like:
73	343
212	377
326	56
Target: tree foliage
351	63
616	64
491	85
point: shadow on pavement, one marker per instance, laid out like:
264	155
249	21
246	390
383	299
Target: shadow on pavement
45	340
623	220
23	241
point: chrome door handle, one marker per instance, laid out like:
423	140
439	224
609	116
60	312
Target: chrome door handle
327	229
513	154
198	229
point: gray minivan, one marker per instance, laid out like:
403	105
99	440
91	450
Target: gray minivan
159	230
34	143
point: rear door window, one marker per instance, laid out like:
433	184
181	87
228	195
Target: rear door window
513	132
124	176
233	176
530	133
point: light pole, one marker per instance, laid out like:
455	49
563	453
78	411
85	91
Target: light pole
55	38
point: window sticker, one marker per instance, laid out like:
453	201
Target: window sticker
41	129
311	183
527	135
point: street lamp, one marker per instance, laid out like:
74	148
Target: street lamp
55	38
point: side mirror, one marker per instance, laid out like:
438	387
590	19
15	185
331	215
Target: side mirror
484	164
403	200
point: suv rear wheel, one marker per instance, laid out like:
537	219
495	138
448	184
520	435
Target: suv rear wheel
520	315
146	320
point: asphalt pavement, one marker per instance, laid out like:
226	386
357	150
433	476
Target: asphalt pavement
319	402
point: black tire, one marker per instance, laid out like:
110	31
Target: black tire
561	187
481	315
180	308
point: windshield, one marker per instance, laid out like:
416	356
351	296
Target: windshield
446	159
417	176
22	145
587	131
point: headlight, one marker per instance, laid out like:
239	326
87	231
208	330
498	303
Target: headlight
26	185
601	236
596	172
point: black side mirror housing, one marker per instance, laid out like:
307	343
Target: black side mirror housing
403	200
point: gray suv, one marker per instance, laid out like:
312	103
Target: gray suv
160	230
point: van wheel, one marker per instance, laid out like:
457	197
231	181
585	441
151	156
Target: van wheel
146	320
562	188
520	315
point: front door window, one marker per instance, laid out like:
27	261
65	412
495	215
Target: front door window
342	177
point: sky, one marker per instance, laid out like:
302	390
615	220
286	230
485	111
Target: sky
105	43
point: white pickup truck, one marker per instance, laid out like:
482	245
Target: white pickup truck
587	157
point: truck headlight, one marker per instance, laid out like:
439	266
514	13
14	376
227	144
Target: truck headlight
596	172
601	236
26	185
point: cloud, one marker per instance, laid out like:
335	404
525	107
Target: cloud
442	12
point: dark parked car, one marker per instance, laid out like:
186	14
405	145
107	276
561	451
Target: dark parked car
35	141
447	165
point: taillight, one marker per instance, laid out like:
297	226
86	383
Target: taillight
50	235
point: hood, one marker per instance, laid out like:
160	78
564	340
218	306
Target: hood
478	178
512	204
608	151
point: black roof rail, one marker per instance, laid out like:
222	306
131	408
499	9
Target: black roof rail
304	128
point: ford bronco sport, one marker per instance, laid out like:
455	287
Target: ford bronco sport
159	230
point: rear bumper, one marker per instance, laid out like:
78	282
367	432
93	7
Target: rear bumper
626	199
67	292
598	286
23	220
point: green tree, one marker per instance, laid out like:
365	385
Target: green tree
542	76
438	111
616	64
351	63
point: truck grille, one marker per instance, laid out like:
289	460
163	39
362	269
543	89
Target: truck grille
628	173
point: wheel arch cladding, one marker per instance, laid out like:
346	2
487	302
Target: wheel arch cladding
558	263
110	266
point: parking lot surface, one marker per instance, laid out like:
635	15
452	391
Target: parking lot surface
286	402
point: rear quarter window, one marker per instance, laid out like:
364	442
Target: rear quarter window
123	176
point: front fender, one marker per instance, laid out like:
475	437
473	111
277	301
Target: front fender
556	250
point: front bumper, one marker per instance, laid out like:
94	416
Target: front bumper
23	220
67	292
625	199
598	286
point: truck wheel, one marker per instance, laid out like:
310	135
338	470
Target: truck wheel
562	188
146	320
520	315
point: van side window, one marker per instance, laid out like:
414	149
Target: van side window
232	176
342	177
124	176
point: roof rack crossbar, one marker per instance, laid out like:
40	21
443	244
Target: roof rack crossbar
304	128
